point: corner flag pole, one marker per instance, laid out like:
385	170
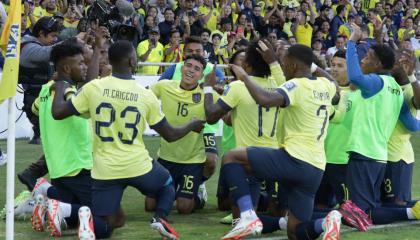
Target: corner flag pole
10	46
10	192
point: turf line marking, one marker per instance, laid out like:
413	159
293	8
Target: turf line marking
347	230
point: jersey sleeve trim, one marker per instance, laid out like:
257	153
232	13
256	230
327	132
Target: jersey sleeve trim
72	108
224	105
159	124
286	97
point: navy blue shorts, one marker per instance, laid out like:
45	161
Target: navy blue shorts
332	189
74	190
300	180
397	182
277	194
364	178
186	177
210	143
107	194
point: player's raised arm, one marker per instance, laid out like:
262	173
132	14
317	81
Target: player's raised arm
60	107
263	97
171	133
366	77
214	111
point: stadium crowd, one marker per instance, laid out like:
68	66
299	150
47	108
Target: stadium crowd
303	149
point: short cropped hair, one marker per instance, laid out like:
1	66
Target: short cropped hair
192	39
119	51
340	54
197	58
301	53
385	54
68	48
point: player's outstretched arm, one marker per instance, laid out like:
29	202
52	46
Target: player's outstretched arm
171	133
408	120
416	90
214	111
260	95
408	63
60	107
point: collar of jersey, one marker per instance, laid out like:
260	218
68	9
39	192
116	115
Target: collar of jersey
123	76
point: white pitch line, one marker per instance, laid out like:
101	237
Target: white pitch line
347	230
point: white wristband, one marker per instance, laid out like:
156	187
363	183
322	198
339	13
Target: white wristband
412	78
313	67
208	89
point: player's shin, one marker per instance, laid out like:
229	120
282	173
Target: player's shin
164	201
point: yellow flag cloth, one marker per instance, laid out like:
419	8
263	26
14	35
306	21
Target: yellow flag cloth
10	45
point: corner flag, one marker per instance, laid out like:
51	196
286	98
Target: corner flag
10	45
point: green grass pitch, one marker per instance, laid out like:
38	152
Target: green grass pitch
203	224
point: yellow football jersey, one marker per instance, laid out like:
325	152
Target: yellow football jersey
181	106
253	125
368	4
306	118
156	55
399	145
212	22
119	110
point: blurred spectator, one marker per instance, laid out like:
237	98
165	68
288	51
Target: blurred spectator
184	7
173	50
398	13
338	20
415	42
290	19
274	26
241	21
323	16
207	45
196	26
150	50
407	30
35	70
192	46
153	11
340	44
209	15
161	6
226	28
167	26
257	20
346	28
303	30
319	52
272	37
365	42
149	24
221	55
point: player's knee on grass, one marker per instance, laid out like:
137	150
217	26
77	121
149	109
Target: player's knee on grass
149	204
210	165
116	220
184	205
